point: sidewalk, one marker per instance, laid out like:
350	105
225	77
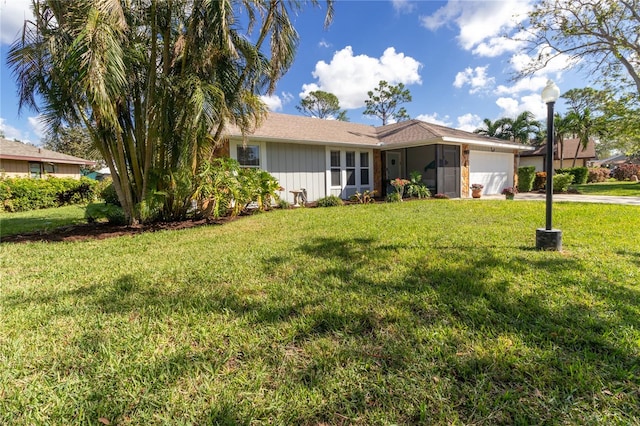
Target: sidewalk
578	198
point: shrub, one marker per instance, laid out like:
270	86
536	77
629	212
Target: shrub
580	174
112	213
108	192
393	197
625	171
22	194
561	182
540	181
330	201
526	178
363	198
415	187
598	174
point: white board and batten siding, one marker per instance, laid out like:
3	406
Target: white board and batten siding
297	167
494	170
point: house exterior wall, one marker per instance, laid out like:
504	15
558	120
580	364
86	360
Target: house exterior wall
297	167
18	168
538	162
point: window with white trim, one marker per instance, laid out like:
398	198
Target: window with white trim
335	168
351	167
248	155
364	168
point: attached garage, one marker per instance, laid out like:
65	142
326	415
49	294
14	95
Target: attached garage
494	170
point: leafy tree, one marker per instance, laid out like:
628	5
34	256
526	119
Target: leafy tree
322	105
74	141
522	127
154	82
562	126
384	100
600	35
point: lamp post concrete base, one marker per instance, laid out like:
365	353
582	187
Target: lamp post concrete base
549	239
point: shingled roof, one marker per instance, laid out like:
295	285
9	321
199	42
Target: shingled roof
13	150
569	148
295	128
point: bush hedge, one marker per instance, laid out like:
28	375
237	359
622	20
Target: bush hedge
330	201
561	182
22	194
625	171
526	177
540	181
598	174
580	174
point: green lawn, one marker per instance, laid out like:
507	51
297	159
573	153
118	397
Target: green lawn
621	189
422	312
40	220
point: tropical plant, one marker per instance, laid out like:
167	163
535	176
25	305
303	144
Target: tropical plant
522	128
415	187
495	129
365	197
384	102
153	82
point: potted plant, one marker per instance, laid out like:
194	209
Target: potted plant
476	190
509	192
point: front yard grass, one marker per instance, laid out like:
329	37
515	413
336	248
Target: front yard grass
617	188
40	220
422	312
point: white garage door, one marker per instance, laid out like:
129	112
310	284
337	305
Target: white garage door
494	170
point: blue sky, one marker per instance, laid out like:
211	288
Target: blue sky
456	57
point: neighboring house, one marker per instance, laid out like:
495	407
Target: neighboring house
18	159
329	157
616	160
570	146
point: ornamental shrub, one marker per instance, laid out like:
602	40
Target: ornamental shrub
540	181
598	174
625	171
580	174
108	192
330	201
112	213
526	177
561	182
22	194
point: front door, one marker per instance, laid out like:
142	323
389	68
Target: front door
393	165
449	170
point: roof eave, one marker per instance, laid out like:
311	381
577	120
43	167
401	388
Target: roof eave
376	145
44	159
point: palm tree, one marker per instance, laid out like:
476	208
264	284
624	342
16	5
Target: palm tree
153	82
521	128
495	129
562	126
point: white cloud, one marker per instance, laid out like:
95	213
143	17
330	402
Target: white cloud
350	77
479	21
528	84
435	119
469	122
324	43
38	126
13	13
276	102
9	131
476	78
512	107
403	6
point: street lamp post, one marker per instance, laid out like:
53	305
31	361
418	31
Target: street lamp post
549	238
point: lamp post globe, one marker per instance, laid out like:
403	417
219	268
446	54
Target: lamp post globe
548	238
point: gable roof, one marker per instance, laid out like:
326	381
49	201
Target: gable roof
12	150
296	128
568	150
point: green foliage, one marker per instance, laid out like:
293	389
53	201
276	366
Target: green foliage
113	214
384	102
625	171
561	182
598	174
580	174
415	187
222	187
322	105
364	198
526	177
74	141
393	197
22	194
330	201
108	192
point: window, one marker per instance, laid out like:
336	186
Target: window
335	168
351	168
35	170
248	156
49	168
364	168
